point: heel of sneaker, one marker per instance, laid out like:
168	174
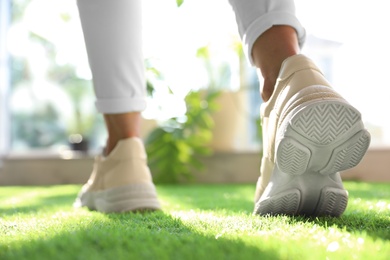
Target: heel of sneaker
348	154
132	197
332	202
316	141
318	199
323	136
293	157
286	203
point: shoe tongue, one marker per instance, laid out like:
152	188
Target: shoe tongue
128	148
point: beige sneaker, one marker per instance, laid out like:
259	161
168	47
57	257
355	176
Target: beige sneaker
310	133
120	182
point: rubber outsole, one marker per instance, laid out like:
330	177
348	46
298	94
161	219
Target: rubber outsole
315	142
132	197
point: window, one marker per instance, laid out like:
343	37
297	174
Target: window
45	87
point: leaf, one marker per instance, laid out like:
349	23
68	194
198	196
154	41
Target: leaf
203	52
149	88
198	165
203	151
179	2
173	147
156	135
212	95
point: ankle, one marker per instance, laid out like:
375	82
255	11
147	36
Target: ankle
120	127
267	88
270	50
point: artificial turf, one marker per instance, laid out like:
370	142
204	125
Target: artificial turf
198	222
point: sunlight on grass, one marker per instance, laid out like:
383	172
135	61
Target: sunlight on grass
198	221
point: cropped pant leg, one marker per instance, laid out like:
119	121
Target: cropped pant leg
113	37
254	17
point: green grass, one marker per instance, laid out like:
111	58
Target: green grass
198	222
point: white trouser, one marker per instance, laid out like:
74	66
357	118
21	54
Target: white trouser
113	36
254	17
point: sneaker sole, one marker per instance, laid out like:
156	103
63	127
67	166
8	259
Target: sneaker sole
316	141
132	197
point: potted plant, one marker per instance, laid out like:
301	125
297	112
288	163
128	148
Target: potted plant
175	146
231	121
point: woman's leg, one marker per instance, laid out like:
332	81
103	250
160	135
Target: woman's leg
113	37
121	180
310	132
270	33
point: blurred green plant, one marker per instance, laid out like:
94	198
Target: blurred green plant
174	148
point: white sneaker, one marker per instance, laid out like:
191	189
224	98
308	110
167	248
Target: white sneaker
310	133
120	182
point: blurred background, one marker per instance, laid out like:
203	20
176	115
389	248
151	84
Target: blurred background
47	100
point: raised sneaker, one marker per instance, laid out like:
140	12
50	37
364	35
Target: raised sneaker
310	134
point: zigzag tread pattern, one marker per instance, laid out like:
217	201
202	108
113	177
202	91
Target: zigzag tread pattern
350	156
332	203
291	159
324	122
358	150
287	204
